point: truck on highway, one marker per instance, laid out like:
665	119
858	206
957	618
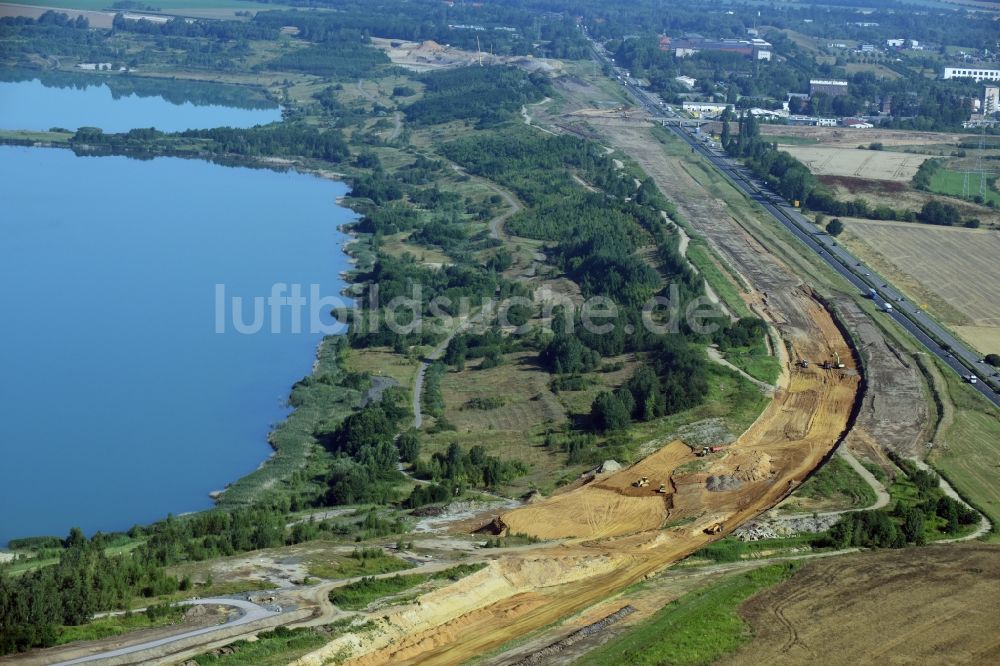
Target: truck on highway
872	293
972	379
888	307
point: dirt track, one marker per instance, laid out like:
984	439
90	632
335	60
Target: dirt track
928	605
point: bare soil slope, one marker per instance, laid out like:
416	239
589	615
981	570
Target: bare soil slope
918	606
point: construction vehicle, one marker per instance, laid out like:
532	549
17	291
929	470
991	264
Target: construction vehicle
804	363
836	360
642	482
714	528
662	489
705	450
827	365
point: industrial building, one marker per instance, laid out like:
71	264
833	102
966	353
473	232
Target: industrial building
827	87
756	49
977	73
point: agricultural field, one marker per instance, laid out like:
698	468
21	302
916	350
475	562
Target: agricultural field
904	197
952	272
852	138
919	605
949	181
869	164
967	447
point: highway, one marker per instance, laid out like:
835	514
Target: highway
935	337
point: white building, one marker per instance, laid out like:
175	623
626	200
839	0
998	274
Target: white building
686	81
704	108
977	73
991	99
895	43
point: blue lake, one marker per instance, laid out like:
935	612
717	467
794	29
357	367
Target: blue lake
31	105
119	400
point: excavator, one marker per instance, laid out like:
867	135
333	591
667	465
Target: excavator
642	482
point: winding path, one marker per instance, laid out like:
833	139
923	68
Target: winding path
946	488
251	613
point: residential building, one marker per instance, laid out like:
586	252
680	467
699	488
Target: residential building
991	99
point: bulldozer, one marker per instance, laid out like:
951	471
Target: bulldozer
642	482
714	528
662	489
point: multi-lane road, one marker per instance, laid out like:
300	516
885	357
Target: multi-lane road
935	337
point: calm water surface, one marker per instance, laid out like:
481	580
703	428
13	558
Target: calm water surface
119	403
30	105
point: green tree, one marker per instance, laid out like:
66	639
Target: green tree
834	227
608	412
409	446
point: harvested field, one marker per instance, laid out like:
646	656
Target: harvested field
868	164
953	271
919	605
852	138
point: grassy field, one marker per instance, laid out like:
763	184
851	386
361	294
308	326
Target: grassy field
726	287
969	448
759	366
836	485
948	181
698	628
366	562
793	140
117	625
357	596
278	647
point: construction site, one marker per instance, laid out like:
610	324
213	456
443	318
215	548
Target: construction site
608	531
